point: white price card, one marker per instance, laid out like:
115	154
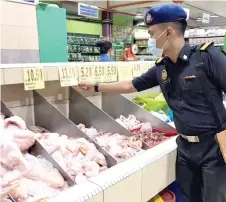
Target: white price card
85	73
68	76
125	71
99	73
136	70
144	67
33	78
111	73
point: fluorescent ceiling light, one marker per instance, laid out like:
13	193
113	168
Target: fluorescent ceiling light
214	16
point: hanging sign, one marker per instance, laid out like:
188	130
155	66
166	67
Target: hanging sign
68	76
125	72
205	18
111	73
85	73
33	78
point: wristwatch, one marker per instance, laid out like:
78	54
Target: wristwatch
96	87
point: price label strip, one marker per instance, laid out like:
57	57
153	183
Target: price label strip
137	70
125	72
111	73
33	78
68	76
85	73
144	68
99	73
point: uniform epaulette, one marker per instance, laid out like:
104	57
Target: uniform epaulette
206	45
158	61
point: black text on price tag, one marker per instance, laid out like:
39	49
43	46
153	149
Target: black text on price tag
33	78
68	76
111	73
99	73
86	73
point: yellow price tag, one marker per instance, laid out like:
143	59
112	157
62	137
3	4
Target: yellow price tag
125	72
85	73
99	73
111	73
33	78
137	70
157	198
68	76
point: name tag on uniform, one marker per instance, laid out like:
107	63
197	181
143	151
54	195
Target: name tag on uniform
190	77
165	78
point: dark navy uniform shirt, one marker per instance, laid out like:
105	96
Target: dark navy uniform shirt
183	92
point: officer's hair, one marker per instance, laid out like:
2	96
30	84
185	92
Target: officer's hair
179	27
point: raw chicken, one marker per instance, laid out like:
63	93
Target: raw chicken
15	128
78	157
142	131
26	177
121	147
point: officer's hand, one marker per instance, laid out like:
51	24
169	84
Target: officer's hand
86	86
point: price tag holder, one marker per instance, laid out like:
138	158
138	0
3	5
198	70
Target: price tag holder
68	76
85	73
151	64
33	78
144	68
99	73
137	70
111	73
125	72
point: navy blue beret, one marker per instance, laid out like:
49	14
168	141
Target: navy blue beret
165	13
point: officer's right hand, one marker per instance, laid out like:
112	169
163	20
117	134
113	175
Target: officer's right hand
86	86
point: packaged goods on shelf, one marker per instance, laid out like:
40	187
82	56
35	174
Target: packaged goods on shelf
33	177
119	146
152	102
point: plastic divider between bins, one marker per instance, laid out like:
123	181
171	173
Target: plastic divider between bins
37	149
81	110
116	105
47	116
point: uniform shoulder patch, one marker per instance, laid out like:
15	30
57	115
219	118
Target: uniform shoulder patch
158	61
206	45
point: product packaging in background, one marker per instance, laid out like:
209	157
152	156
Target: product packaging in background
152	102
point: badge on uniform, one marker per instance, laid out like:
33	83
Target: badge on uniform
149	18
165	78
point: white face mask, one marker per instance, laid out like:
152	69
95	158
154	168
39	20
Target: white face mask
152	48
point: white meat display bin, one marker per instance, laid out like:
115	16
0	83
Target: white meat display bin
135	180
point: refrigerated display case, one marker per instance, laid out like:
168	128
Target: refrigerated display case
61	109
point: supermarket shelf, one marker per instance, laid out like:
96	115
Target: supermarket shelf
203	37
144	175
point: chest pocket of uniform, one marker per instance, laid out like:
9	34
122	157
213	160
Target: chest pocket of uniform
191	84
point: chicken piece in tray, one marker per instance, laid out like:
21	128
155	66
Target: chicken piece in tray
119	146
143	131
78	157
25	177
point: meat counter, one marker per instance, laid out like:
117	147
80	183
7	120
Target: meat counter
137	179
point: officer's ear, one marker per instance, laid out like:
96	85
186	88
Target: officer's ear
169	31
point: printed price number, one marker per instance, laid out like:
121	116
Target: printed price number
86	73
111	73
99	73
33	78
137	70
68	76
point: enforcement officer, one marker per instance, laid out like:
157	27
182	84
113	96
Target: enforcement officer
192	80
